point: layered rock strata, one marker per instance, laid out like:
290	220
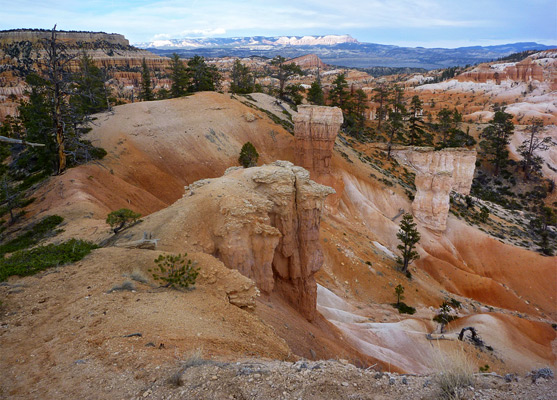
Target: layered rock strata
262	221
315	131
73	37
437	174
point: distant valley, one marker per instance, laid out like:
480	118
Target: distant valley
342	50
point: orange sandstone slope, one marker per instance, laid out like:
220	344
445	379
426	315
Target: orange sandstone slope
156	148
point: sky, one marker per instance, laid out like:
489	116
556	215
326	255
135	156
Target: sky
426	23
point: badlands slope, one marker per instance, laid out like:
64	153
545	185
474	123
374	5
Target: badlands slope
157	148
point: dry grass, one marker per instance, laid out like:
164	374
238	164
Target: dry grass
455	372
139	276
193	358
126	285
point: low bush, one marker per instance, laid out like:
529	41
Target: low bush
120	218
403	308
36	233
29	262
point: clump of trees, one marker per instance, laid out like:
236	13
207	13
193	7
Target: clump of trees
52	120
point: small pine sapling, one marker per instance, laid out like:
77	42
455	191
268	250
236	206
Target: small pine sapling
175	271
248	155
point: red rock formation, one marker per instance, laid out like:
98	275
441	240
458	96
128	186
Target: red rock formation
309	61
438	173
262	221
524	71
315	130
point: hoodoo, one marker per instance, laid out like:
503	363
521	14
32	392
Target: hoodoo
437	174
315	130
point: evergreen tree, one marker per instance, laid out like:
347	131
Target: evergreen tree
381	96
248	155
294	93
315	94
243	81
178	76
202	77
56	71
530	161
36	114
445	121
90	94
409	236
416	133
495	137
146	91
395	130
339	95
283	72
360	107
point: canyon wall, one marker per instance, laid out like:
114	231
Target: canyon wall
315	131
437	174
523	71
71	38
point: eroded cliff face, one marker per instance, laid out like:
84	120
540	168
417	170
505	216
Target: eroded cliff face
523	71
262	221
437	174
72	38
315	130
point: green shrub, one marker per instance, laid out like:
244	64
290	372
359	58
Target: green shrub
39	231
248	155
29	262
403	308
175	271
120	218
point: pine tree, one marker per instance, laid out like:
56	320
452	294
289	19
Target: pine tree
283	72
495	139
395	130
90	94
445	118
339	95
243	81
381	96
409	236
248	155
146	91
178	76
416	133
315	94
531	161
202	77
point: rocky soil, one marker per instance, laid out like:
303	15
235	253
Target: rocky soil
261	379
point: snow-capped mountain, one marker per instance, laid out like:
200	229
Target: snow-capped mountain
255	42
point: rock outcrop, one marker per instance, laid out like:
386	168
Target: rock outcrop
262	221
315	130
308	61
437	174
74	37
523	71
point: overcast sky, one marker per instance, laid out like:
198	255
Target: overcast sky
427	23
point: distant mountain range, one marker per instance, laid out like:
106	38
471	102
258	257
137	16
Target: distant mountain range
341	50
